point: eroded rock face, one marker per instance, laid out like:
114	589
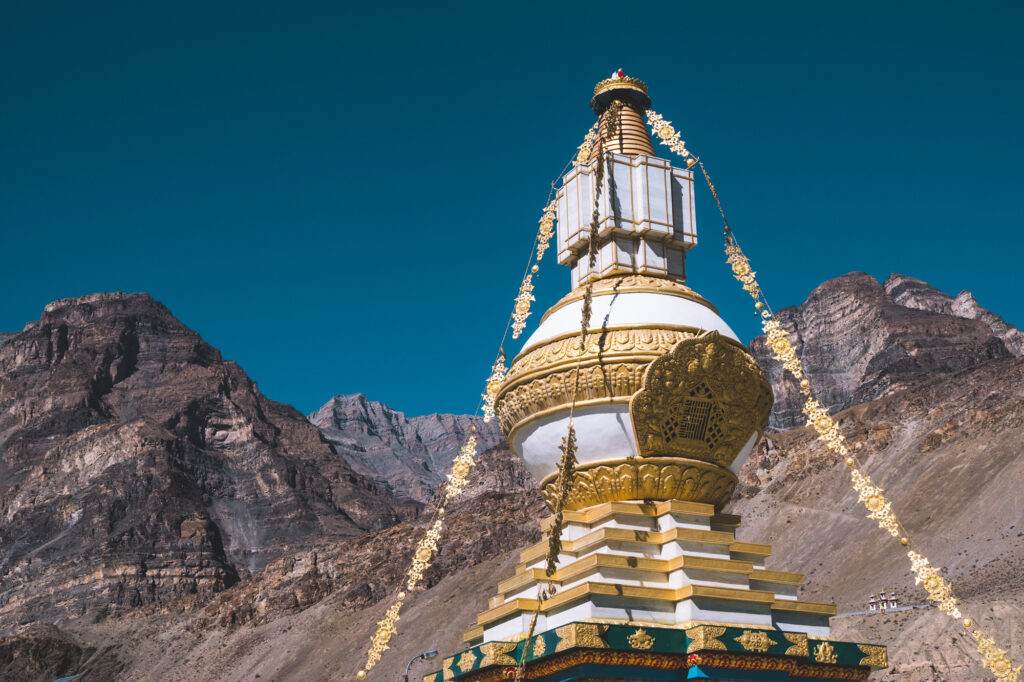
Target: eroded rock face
139	466
913	293
860	340
947	453
497	513
408	456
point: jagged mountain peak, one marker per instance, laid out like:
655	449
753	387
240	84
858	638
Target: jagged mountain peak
860	339
137	466
409	456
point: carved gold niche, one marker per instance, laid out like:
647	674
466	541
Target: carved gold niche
703	400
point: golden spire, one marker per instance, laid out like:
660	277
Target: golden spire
631	137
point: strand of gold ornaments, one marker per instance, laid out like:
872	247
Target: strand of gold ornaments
426	548
879	508
523	301
939	589
567	462
546	231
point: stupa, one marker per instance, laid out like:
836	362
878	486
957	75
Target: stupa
667	404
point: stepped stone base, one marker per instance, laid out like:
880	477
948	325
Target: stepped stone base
675	564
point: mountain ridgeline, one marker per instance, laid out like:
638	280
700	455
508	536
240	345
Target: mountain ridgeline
163	519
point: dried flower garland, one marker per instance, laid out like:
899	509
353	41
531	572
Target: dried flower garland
567	464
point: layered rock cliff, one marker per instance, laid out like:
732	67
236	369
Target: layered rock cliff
407	456
139	466
942	438
948	454
860	340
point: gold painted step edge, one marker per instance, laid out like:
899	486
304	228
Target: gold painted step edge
642	565
712	537
632	564
672	595
600	512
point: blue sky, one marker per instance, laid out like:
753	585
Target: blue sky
342	199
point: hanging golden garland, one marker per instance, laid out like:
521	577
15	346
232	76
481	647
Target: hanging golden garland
456	482
668	135
567	463
523	301
426	548
879	508
547	230
584	151
939	589
498	373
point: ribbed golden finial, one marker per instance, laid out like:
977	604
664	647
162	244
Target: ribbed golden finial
631	137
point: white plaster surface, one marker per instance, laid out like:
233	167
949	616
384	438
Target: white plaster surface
614	607
602	432
630	309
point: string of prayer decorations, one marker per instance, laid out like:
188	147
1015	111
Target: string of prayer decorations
456	482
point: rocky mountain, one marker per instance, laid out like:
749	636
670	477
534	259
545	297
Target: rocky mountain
138	466
860	340
407	456
913	293
310	616
938	419
948	454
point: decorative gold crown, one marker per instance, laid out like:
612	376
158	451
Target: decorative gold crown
626	83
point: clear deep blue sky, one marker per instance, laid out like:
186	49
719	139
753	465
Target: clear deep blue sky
342	198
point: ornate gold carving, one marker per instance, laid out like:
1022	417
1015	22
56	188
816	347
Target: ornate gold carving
631	343
874	656
432	677
703	400
521	311
588	635
623	82
799	642
640	639
825	653
555	390
756	640
939	589
497	653
651	478
668	135
995	659
467	660
446	668
873	499
539	647
618	284
705	638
